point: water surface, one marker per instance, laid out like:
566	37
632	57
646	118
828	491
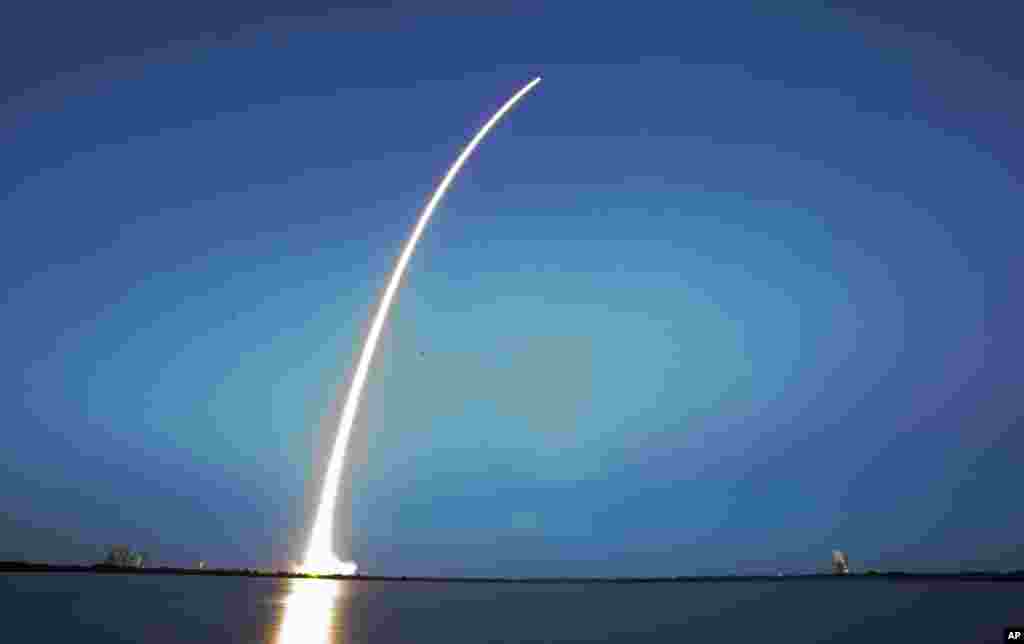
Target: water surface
54	607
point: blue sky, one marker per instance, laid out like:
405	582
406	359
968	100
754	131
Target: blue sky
731	288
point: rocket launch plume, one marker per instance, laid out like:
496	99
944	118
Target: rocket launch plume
320	557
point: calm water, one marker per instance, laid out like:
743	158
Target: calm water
158	609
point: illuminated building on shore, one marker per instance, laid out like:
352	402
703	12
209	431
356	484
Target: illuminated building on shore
840	564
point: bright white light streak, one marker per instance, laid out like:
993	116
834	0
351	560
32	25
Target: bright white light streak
320	557
311	614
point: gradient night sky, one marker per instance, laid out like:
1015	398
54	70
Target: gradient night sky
733	287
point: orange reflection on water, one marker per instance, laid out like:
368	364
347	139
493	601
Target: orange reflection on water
312	614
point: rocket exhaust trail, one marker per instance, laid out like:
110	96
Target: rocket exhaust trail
320	557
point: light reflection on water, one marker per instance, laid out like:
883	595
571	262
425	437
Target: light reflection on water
312	613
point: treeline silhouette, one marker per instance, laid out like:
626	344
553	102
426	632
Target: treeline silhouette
25	566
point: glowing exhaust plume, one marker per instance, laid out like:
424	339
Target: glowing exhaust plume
320	557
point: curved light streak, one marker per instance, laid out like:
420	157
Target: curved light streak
320	557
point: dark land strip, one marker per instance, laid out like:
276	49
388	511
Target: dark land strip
29	567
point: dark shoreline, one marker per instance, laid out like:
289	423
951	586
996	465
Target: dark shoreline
27	567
